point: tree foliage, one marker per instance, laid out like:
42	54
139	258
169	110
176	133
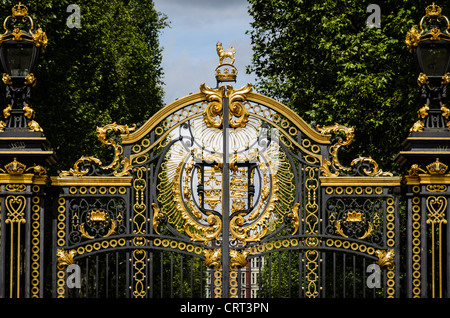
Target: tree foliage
321	59
106	71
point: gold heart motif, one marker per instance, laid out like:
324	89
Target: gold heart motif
15	205
436	208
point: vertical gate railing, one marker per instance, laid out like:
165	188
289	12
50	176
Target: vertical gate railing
427	267
22	198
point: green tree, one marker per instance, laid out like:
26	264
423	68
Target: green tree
108	70
321	59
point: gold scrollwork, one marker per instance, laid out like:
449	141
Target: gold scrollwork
349	133
139	207
16	187
157	215
436	187
236	97
15	206
312	267
334	149
139	264
294	216
375	172
214	97
101	135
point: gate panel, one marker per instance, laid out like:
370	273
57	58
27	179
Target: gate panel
226	193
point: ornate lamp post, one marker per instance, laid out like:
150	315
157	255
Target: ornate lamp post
20	47
24	151
431	46
426	156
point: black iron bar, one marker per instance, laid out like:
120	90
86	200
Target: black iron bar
225	202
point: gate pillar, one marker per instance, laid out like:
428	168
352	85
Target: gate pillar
24	154
426	157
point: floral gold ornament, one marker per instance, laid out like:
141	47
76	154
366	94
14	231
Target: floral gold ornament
445	112
6	79
213	258
422	79
65	258
418	126
385	257
423	111
34	126
445	79
412	39
238	258
29	112
30	80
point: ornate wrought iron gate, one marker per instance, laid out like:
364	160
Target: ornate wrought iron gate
226	193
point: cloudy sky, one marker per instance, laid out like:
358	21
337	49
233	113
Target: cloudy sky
189	55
